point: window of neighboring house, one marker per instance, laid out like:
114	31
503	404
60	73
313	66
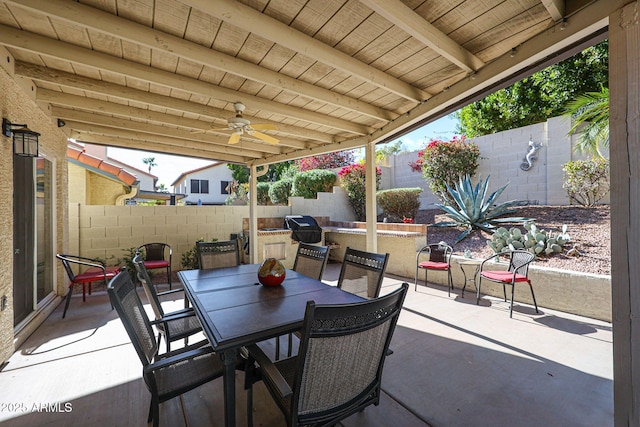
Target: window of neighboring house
200	186
224	187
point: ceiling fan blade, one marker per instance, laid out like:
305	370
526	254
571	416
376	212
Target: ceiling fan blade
234	138
265	137
264	126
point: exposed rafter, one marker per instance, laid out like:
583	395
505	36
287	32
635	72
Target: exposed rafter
556	8
133	32
413	24
265	26
45	46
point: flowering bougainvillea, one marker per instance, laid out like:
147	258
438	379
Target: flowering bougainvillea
353	179
443	163
325	161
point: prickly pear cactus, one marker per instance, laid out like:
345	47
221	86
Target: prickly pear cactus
535	240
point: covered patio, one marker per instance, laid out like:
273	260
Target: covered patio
454	364
319	77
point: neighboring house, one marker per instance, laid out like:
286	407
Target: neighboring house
146	183
94	181
207	185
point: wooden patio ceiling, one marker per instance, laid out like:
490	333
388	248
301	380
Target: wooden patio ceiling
329	74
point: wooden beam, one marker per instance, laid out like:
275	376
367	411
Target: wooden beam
100	108
556	8
113	90
253	21
156	146
245	148
115	26
417	27
45	46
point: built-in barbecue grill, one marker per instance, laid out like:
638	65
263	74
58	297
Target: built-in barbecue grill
304	228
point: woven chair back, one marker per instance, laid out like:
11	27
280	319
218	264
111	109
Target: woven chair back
218	254
311	260
362	272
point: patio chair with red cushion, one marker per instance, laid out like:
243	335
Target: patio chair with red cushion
97	271
157	255
517	272
439	260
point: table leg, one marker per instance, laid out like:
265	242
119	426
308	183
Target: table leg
229	358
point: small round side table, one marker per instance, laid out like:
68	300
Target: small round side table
465	265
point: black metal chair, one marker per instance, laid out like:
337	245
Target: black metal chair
362	272
157	255
166	375
330	378
175	325
218	254
311	261
439	260
97	271
517	272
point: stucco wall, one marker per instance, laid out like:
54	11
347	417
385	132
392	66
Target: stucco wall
78	191
103	191
501	155
18	105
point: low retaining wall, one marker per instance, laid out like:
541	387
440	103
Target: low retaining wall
573	292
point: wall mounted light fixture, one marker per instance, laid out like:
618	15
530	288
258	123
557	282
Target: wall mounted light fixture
25	141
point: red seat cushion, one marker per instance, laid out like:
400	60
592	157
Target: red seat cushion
434	265
94	274
156	264
503	276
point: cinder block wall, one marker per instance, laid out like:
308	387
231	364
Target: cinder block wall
108	232
501	155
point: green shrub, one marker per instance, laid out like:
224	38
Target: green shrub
538	242
127	262
445	163
189	260
263	193
307	184
280	191
399	203
586	181
353	179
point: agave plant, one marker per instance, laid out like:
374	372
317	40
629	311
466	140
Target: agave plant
473	211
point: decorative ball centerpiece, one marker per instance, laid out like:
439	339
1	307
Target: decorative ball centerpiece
271	272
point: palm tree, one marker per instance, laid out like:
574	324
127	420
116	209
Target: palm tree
592	110
149	161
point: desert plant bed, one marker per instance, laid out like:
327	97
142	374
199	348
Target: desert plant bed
589	229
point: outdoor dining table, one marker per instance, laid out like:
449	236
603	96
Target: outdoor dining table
235	310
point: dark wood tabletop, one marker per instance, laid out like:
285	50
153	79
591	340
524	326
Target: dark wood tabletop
235	310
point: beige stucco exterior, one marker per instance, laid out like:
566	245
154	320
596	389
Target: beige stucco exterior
17	104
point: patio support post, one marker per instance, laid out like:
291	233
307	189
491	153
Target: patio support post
371	212
253	213
624	122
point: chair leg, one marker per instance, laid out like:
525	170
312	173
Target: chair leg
289	350
478	290
277	348
534	297
154	412
504	291
68	300
169	276
513	291
449	282
84	293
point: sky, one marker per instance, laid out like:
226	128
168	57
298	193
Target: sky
170	167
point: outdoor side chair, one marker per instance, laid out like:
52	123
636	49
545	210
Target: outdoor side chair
166	375
97	271
174	325
157	255
362	272
311	261
439	260
218	254
330	378
517	272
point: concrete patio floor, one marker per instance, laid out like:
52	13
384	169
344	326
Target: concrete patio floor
455	363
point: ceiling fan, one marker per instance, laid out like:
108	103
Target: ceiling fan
239	126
